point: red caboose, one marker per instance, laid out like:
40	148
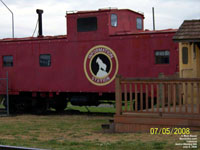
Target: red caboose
46	71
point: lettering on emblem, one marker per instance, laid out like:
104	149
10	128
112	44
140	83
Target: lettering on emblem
100	65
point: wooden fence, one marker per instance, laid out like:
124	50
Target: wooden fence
153	95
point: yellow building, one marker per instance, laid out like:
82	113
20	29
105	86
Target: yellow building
188	36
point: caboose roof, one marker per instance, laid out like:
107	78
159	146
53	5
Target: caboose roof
34	38
65	36
189	31
103	10
147	32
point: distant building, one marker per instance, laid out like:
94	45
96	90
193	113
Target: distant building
188	36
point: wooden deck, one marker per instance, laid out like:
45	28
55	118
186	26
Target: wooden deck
142	104
143	121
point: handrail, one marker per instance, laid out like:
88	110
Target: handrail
127	80
157	95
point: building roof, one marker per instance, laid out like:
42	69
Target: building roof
189	31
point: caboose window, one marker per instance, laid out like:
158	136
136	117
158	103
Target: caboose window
7	61
162	57
185	55
113	18
45	60
86	24
139	23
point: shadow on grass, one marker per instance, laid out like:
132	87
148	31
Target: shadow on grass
73	111
78	112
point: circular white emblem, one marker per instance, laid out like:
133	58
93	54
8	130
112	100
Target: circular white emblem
100	65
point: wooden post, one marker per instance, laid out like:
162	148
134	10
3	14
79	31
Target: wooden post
158	98
125	97
136	98
192	97
169	97
163	98
141	97
180	97
198	98
118	95
174	97
152	97
131	98
147	96
186	97
161	86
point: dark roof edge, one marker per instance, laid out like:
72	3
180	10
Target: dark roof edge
191	20
186	40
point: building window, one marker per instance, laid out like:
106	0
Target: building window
113	18
7	61
139	23
185	55
162	57
45	60
86	24
194	51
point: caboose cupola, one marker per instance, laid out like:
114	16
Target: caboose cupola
88	25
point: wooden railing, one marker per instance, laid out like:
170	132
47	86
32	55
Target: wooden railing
153	95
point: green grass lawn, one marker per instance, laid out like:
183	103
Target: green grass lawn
76	132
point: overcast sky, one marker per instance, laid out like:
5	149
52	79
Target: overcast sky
168	13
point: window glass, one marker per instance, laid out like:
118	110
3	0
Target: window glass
162	57
157	53
194	51
86	24
185	55
139	23
166	53
45	60
113	20
7	61
162	53
198	44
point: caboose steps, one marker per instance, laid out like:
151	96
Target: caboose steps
109	128
3	112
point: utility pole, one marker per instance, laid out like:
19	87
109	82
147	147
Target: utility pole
12	17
